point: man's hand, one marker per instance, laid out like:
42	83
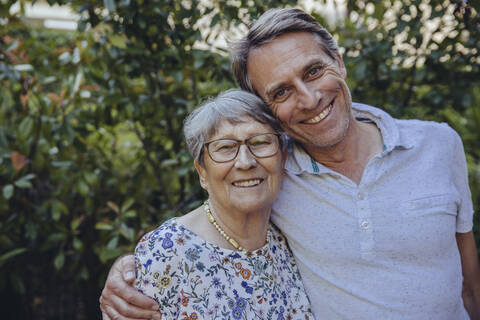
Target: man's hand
120	300
471	274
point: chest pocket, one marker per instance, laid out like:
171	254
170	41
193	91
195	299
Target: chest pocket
432	204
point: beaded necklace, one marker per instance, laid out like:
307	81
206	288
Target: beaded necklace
229	239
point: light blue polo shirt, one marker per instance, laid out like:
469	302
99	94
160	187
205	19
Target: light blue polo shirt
385	248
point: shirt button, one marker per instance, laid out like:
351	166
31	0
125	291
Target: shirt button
360	196
365	224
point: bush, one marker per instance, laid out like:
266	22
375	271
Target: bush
91	149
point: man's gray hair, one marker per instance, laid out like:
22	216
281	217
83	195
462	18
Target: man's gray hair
234	106
271	24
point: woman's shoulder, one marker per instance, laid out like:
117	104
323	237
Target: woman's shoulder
169	236
166	229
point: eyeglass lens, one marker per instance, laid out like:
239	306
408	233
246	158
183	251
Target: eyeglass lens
261	146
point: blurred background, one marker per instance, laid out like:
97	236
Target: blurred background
92	99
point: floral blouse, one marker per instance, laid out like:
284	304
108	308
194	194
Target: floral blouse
193	279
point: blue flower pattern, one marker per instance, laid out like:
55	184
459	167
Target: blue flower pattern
193	279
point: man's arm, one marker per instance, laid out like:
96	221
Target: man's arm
471	274
120	300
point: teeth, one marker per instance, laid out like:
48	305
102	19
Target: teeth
247	183
321	116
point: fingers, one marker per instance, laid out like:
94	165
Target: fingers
120	300
129	310
111	314
122	293
117	286
105	316
115	308
127	265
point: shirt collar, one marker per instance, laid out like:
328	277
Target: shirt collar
299	160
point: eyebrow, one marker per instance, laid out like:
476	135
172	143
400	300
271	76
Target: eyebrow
271	89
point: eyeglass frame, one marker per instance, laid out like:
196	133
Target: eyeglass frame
244	141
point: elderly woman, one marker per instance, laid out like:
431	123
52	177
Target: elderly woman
224	260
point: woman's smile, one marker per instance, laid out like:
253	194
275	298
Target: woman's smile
247	183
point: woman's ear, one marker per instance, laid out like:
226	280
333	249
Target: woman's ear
202	174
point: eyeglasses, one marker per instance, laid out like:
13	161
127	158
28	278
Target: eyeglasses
261	146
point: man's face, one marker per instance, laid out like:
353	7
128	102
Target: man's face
304	87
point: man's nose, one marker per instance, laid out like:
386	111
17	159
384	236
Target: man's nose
307	96
245	159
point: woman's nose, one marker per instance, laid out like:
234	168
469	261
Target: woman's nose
245	159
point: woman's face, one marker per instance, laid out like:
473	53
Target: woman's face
246	183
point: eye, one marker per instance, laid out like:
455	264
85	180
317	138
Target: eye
280	93
223	146
260	140
313	71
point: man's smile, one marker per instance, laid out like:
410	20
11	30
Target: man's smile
320	116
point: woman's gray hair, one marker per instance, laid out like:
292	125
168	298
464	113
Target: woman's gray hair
271	24
232	106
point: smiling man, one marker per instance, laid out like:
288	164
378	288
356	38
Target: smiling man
377	211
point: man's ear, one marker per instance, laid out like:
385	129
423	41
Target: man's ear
202	174
341	65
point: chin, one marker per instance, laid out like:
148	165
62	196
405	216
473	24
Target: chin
246	205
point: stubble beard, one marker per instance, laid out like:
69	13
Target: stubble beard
311	143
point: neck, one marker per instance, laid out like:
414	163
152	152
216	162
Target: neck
249	229
350	156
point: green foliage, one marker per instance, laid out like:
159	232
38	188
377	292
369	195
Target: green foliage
91	147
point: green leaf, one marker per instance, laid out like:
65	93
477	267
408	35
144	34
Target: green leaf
13	45
56	237
23	184
25	128
127	204
82	187
103	226
108	254
113	243
130	214
91	178
61	164
23	67
59	260
76	223
77	244
6	256
29	176
8	191
58	208
126	232
113	206
118	41
78	81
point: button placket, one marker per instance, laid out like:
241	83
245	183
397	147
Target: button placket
367	243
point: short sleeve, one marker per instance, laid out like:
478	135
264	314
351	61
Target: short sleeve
153	266
460	178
